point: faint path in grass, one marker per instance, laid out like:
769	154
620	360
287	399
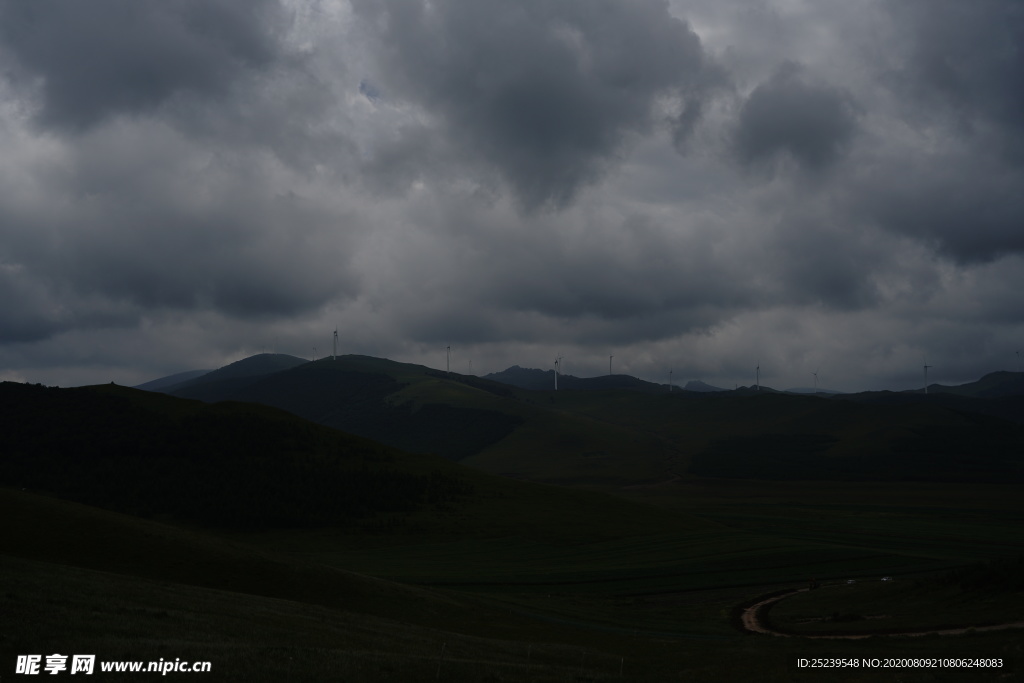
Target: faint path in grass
751	620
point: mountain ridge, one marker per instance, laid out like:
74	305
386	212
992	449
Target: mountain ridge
625	435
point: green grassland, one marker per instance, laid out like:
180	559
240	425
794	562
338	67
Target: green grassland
786	437
981	595
616	438
639	569
89	581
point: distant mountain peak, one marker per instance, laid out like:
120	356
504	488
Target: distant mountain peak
697	385
811	390
171	380
543	380
992	385
252	366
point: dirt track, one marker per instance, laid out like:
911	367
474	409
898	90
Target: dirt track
752	623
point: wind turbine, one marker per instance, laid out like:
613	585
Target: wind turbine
448	367
334	355
926	366
815	373
670	381
558	363
314	353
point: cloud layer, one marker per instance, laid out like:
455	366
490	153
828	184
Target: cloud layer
545	94
688	185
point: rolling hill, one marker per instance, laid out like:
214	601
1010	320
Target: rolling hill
280	549
629	436
544	380
232	377
246	466
171	380
993	385
697	385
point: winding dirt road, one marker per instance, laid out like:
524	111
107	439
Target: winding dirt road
752	623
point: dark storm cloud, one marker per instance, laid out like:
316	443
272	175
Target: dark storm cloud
788	114
620	275
577	276
410	155
546	93
815	260
953	178
194	232
164	200
92	60
251	262
966	208
967	58
27	314
184	183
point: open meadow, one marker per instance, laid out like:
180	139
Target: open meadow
468	576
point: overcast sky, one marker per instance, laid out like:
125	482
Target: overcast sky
698	185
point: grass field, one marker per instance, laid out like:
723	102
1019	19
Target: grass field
95	582
621	578
896	606
264	607
622	437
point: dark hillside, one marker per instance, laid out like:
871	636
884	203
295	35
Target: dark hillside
777	436
230	465
901	441
544	380
628	435
255	469
239	373
697	385
171	380
358	402
1008	407
992	385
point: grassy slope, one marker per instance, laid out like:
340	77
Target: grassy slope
1000	383
621	438
47	529
893	606
261	617
573	572
529	535
90	581
762	437
543	521
471	416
